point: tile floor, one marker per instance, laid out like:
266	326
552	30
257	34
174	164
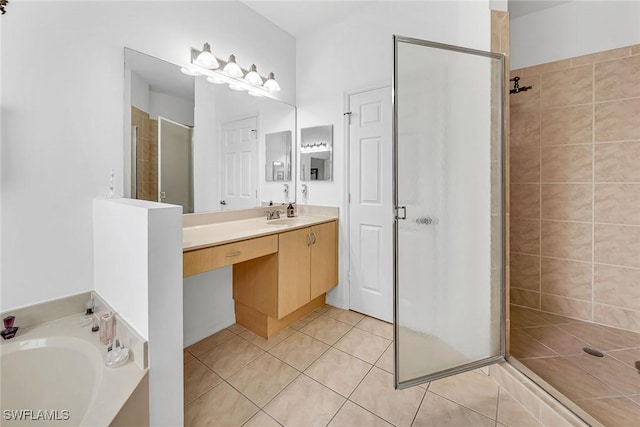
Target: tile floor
607	388
333	367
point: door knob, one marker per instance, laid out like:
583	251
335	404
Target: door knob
424	220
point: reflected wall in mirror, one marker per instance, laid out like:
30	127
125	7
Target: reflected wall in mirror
200	145
278	156
316	153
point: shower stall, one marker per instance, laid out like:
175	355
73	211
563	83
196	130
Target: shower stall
449	313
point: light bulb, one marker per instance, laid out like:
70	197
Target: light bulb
215	80
236	86
190	72
271	84
253	77
254	93
232	69
206	59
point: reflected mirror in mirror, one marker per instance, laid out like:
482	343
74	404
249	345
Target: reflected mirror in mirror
278	156
316	153
200	145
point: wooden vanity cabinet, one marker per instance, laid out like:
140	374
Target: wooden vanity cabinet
273	291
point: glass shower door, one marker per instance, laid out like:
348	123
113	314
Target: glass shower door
449	305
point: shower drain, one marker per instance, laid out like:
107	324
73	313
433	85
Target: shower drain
593	352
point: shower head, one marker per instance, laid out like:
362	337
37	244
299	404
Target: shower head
516	86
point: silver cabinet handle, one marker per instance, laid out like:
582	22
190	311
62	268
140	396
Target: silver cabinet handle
308	239
163	195
232	254
424	220
313	237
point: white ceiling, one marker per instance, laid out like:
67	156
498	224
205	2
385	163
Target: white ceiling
300	16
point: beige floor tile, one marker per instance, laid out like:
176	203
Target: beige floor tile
228	358
363	345
198	379
568	379
237	329
304	321
187	357
598	337
266	344
261	419
323	309
524	346
376	394
299	350
635	398
558	340
386	361
615	374
612	412
210	342
628	357
222	406
263	378
326	329
339	371
630	335
376	327
476	392
305	403
437	411
346	316
511	413
352	415
522	317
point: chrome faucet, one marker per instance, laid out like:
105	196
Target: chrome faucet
274	214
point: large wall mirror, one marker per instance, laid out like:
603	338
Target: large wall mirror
202	145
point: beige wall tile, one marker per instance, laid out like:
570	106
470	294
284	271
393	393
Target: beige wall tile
618	79
525	124
566	278
635	49
531	96
617	203
617	120
568	240
566	125
525	200
525	164
617	161
525	298
571	163
525	272
525	236
617	286
547	67
570	202
505	36
617	244
617	317
577	309
593	58
567	87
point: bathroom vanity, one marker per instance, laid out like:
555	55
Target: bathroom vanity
282	268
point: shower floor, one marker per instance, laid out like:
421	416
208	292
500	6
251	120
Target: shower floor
607	388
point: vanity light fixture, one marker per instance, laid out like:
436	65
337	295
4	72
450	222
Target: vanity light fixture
232	68
217	71
206	59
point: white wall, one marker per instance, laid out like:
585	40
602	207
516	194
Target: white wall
170	107
138	270
358	52
62	123
573	29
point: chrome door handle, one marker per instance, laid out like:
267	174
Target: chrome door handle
424	220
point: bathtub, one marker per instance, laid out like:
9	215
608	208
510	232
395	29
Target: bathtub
54	374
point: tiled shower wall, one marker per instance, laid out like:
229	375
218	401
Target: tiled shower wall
575	188
146	155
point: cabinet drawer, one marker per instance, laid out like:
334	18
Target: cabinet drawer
206	259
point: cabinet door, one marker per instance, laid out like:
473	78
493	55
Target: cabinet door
293	270
324	258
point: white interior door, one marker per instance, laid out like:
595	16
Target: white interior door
175	165
239	163
371	204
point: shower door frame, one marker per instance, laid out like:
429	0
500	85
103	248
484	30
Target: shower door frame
501	157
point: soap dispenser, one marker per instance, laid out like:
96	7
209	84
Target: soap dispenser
290	211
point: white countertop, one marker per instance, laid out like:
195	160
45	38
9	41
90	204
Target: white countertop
214	234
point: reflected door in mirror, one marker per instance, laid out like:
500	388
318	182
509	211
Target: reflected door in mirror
239	142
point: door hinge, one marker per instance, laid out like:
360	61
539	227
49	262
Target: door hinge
404	212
